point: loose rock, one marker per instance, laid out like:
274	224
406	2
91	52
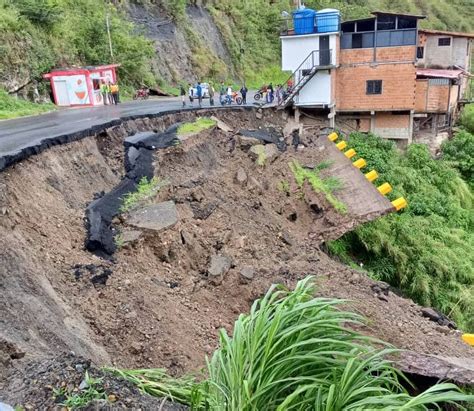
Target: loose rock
221	125
241	176
219	266
156	217
247	273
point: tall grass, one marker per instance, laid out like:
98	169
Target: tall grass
201	124
294	352
145	189
327	186
426	250
11	107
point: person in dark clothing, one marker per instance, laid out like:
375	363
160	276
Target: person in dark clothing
199	93
244	91
222	93
182	92
191	94
270	93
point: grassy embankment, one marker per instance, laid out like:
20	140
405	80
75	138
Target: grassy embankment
11	107
426	250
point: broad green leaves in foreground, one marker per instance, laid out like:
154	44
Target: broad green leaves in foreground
292	352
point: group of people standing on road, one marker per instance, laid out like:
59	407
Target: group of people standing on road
203	90
269	93
110	92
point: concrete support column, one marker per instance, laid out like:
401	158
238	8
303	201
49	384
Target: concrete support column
410	127
372	121
332	117
297	114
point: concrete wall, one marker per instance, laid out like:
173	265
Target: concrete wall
435	56
294	49
317	91
394	127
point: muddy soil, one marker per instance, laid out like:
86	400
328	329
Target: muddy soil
155	304
47	383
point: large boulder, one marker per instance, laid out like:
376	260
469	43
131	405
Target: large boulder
155	217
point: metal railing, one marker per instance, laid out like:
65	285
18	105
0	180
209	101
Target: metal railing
305	71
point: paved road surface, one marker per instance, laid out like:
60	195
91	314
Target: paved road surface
23	133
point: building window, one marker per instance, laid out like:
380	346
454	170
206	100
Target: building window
390	38
386	22
420	51
366	25
444	41
357	41
406	23
374	86
438	82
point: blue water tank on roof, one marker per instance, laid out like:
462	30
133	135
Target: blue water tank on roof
303	21
327	20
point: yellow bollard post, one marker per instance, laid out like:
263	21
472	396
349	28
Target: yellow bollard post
468	339
350	153
341	145
361	163
333	137
384	189
372	175
399	203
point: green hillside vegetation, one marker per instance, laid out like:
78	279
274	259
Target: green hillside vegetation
41	34
254	26
11	107
38	35
426	250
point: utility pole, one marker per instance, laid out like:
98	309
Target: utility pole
108	34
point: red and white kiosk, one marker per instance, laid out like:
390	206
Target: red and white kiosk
80	86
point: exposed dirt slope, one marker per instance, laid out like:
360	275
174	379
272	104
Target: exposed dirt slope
156	305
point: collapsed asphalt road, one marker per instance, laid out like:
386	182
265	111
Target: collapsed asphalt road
23	137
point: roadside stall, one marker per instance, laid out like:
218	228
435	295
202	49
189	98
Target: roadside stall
80	86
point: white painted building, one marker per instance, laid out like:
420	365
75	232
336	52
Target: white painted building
312	58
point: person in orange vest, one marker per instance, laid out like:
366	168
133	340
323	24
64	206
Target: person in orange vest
114	90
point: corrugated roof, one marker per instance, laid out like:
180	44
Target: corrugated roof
438	73
447	33
416	16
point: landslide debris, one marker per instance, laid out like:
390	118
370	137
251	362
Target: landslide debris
238	227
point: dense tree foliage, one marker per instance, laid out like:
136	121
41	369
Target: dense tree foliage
459	152
38	35
425	250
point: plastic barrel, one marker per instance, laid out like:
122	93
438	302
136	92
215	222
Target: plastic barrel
341	145
384	189
360	163
371	175
327	20
333	136
399	203
303	21
350	153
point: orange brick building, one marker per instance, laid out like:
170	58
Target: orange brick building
385	75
